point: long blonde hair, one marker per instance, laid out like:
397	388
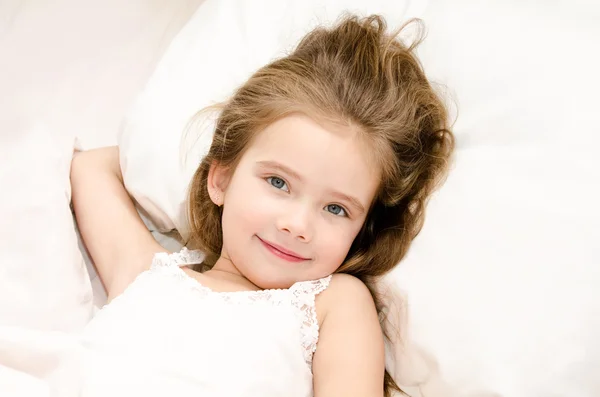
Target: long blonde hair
356	74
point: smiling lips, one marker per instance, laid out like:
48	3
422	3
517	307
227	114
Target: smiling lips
282	252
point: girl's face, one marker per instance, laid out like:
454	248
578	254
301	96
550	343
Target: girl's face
295	202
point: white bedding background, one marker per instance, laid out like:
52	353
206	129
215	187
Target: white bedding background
502	283
67	68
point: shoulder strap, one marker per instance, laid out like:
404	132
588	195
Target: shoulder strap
182	258
306	289
304	301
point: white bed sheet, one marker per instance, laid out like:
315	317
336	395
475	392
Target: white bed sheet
503	281
69	68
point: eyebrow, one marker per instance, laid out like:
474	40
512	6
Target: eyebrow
353	201
341	196
280	167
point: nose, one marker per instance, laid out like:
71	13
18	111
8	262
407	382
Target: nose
296	221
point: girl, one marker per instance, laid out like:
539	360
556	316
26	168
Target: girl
314	187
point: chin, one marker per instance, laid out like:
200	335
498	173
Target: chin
274	283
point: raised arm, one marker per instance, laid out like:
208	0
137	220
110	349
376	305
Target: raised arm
349	360
116	238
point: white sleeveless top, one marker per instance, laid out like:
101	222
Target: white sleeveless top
168	335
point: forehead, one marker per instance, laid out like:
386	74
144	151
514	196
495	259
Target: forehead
335	157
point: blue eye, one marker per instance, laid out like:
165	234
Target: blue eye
336	210
278	183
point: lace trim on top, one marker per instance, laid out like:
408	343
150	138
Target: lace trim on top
182	258
301	295
304	302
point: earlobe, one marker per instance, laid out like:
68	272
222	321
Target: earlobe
216	183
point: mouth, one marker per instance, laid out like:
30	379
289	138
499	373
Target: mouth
281	252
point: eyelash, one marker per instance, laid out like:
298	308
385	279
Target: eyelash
341	208
269	180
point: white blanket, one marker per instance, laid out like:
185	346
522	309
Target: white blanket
69	68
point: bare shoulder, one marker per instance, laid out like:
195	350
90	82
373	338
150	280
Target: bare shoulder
344	281
344	291
349	360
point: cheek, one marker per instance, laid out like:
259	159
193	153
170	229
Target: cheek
334	244
246	205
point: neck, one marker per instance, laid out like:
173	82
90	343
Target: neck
225	269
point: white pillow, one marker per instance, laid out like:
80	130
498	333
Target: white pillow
63	68
503	280
43	279
80	64
220	47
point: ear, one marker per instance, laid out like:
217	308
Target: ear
217	181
